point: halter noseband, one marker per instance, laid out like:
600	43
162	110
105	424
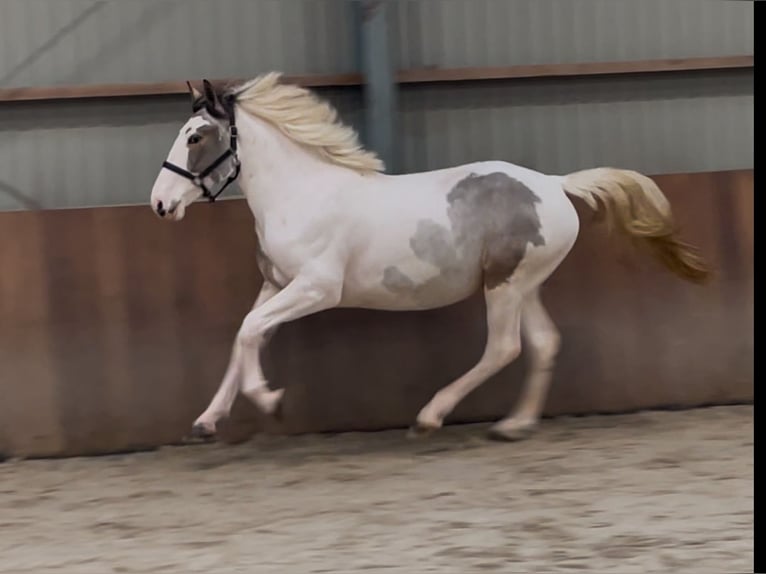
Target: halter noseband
198	179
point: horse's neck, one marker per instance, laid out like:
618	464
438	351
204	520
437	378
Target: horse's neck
277	172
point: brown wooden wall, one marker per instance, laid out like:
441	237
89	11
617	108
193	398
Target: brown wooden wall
115	329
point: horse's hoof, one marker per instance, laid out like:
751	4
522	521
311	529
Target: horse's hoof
200	433
419	430
510	434
279	411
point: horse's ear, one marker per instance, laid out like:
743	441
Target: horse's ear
213	102
210	94
196	96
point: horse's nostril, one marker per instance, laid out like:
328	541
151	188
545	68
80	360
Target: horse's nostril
160	210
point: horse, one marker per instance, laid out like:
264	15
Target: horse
335	231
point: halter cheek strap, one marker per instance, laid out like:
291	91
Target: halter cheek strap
198	179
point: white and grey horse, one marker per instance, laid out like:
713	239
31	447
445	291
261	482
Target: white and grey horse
334	231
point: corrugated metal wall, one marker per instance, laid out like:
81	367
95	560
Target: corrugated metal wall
108	152
454	33
52	42
88	153
656	124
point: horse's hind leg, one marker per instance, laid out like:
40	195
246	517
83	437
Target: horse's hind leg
541	341
504	304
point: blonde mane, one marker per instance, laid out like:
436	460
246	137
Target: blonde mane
305	119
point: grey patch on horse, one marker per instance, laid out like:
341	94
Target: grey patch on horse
265	266
207	150
498	213
492	220
395	280
434	244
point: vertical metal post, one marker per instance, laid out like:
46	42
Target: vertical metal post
377	66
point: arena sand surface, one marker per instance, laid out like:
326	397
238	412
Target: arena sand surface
648	492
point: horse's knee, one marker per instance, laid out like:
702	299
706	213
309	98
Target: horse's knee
503	352
545	347
251	332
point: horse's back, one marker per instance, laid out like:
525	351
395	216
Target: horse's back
491	190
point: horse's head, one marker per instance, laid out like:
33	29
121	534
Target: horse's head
201	158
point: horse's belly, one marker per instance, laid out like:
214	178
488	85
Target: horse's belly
409	287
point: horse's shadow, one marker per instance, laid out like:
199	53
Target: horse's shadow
345	449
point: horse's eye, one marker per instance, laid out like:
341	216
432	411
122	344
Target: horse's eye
194	139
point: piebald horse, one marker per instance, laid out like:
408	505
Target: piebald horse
335	231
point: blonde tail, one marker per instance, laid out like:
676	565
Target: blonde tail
635	204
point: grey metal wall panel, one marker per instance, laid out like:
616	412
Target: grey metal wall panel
77	153
66	154
455	33
106	153
56	42
656	124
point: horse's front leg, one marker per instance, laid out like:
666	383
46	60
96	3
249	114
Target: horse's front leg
220	406
306	294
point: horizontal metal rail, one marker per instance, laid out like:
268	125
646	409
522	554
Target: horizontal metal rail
411	76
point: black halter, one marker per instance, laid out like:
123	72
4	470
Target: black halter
198	179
